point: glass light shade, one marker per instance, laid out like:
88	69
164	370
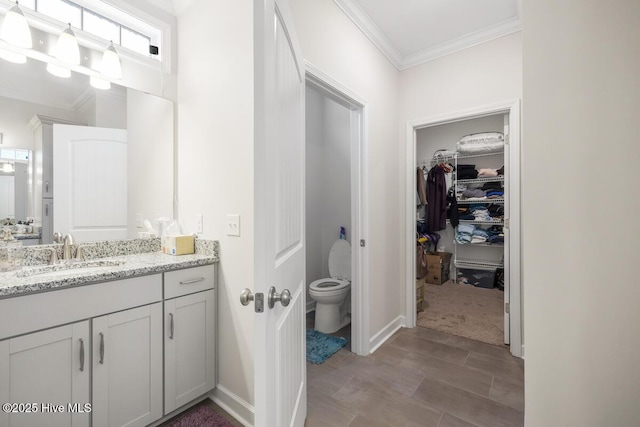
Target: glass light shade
16	58
7	167
67	48
110	65
99	83
59	71
15	29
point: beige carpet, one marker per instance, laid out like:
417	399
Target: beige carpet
464	310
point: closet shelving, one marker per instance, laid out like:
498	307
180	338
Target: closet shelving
465	262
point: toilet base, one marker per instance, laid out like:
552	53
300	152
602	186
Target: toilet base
327	319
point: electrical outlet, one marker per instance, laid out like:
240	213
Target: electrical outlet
199	224
139	220
233	225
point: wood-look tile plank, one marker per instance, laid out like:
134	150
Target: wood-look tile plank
508	391
416	344
430	334
398	410
449	420
496	367
325	411
467	406
365	421
328	382
459	376
360	394
499	352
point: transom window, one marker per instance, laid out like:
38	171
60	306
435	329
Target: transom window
103	21
14	154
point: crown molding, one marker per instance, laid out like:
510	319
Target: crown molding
370	30
468	40
360	18
164	5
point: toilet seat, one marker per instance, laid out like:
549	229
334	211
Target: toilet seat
329	285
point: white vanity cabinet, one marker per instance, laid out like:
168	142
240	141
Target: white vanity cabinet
46	371
127	367
189	337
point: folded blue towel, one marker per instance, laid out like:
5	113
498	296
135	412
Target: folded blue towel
466	229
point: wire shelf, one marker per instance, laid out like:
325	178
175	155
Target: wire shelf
471	221
477	263
481	201
485	245
480	180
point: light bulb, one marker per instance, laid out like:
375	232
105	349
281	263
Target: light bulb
67	48
59	71
99	83
15	28
110	65
16	58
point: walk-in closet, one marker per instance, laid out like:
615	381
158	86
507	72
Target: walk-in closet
462	228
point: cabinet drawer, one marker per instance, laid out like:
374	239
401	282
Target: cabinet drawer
188	281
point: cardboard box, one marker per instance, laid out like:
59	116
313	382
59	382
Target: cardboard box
438	266
178	245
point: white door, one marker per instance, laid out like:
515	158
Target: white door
49	367
127	367
90	176
280	369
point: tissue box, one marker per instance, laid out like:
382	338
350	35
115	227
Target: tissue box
178	245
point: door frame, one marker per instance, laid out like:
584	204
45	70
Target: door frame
512	107
359	224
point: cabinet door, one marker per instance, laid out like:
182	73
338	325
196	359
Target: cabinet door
50	369
190	364
127	367
47	221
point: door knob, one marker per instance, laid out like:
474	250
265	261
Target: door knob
274	297
246	296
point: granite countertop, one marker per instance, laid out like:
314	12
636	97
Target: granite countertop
41	277
26	236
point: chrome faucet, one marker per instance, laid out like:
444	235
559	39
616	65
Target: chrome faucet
67	244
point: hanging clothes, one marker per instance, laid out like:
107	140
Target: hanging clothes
421	184
437	197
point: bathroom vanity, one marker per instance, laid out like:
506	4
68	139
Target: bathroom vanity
120	340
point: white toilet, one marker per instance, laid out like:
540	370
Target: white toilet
332	295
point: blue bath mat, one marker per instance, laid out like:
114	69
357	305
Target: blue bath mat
321	346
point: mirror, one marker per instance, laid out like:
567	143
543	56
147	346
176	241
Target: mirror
28	90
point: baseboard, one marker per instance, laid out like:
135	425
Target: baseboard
311	305
381	337
237	407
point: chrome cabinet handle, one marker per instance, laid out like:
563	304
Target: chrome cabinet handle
170	325
46	210
190	281
274	297
81	355
47	187
101	348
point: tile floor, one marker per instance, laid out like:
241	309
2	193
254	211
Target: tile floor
419	377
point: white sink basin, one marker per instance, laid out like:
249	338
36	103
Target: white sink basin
69	268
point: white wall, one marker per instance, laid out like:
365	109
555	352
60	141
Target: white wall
332	43
15	118
327	179
215	163
150	158
482	75
581	103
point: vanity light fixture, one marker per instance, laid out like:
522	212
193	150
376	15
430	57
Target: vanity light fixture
15	30
7	167
99	83
67	49
58	71
110	65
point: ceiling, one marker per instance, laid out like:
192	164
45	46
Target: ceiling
411	32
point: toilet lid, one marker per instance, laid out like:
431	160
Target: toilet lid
340	260
325	285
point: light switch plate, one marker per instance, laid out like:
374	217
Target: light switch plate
233	225
139	220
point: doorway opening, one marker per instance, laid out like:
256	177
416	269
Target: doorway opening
471	280
334	211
